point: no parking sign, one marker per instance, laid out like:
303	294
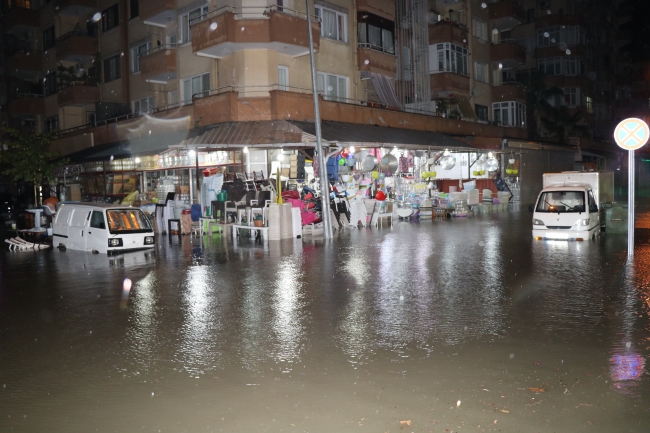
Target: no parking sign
631	134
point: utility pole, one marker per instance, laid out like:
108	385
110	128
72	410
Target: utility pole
322	167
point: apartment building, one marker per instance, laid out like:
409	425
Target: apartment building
452	66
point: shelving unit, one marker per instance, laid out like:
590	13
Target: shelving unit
113	180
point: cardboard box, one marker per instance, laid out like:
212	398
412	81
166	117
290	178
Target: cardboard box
184	189
73	192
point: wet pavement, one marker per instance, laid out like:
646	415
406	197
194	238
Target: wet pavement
463	325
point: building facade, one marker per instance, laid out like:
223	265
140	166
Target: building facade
454	66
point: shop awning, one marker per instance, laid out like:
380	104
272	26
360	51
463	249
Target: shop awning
378	136
270	133
141	146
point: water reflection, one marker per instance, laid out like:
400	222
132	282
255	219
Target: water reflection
289	318
202	321
142	336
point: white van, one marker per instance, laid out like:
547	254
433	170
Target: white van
104	228
570	205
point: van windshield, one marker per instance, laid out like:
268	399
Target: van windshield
561	202
127	221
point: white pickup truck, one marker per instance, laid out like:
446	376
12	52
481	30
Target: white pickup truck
569	207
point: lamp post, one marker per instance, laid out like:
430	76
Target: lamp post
322	167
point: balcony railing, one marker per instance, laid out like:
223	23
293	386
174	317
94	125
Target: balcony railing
372	47
252	12
157	49
159	63
221	32
263	91
75	44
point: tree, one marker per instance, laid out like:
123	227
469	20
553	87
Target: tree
561	123
28	157
537	100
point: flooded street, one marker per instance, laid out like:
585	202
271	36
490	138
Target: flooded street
464	325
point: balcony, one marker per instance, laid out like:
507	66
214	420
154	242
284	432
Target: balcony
78	94
446	84
26	104
158	12
447	31
18	18
24	64
159	64
227	32
506	15
382	8
509	92
376	61
76	46
74	8
509	54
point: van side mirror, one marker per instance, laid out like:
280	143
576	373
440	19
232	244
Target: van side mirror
531	208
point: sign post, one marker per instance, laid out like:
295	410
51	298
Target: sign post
631	134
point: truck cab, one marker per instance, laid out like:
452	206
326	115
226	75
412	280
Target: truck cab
566	212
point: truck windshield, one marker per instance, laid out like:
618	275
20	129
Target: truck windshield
127	221
561	202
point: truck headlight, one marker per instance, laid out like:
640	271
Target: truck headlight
148	240
115	242
537	222
585	222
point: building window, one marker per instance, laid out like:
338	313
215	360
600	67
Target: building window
283	78
135	8
559	65
375	33
509	113
173	98
530	16
143	106
332	87
51	123
112	70
481	72
110	18
589	103
196	87
50	84
481	112
138	52
570	35
189	19
48	38
571	96
448	58
333	25
479	29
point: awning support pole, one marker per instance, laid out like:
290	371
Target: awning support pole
322	167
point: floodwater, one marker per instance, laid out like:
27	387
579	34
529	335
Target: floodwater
463	325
